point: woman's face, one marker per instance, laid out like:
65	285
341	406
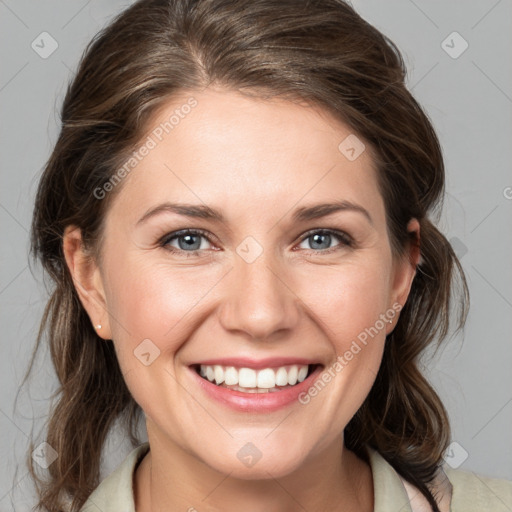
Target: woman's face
278	282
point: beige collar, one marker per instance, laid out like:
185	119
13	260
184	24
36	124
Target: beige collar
391	492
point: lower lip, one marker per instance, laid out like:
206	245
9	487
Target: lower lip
256	402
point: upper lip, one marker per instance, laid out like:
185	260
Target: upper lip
257	364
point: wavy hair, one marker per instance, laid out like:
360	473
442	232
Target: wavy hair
318	51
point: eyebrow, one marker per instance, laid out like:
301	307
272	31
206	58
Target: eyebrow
302	214
322	210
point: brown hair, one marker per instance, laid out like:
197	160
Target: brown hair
320	51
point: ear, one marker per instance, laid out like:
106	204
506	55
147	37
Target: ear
87	280
405	268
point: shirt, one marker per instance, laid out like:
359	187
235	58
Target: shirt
461	491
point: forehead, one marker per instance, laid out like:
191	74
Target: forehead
230	150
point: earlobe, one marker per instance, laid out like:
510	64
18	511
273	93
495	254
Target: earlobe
87	280
405	269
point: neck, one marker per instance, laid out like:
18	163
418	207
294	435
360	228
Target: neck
169	478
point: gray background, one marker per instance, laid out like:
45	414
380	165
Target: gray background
469	99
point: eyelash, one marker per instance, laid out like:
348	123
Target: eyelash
346	240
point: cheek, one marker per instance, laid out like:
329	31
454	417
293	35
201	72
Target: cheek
154	309
156	301
347	299
350	303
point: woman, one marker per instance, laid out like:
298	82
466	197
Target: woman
208	151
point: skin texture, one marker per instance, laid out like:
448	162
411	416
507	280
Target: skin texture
256	161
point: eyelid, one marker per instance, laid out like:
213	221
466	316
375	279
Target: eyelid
339	233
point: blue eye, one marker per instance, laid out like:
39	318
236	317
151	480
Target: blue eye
189	241
321	239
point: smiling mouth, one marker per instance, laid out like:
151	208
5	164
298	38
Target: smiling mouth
249	380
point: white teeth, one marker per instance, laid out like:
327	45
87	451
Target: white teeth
230	376
218	373
266	378
250	380
281	377
303	372
247	378
292	375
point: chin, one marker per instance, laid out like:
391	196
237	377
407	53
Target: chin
248	462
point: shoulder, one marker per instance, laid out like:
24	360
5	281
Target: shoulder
455	490
472	491
115	492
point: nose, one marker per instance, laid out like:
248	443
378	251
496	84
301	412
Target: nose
259	301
